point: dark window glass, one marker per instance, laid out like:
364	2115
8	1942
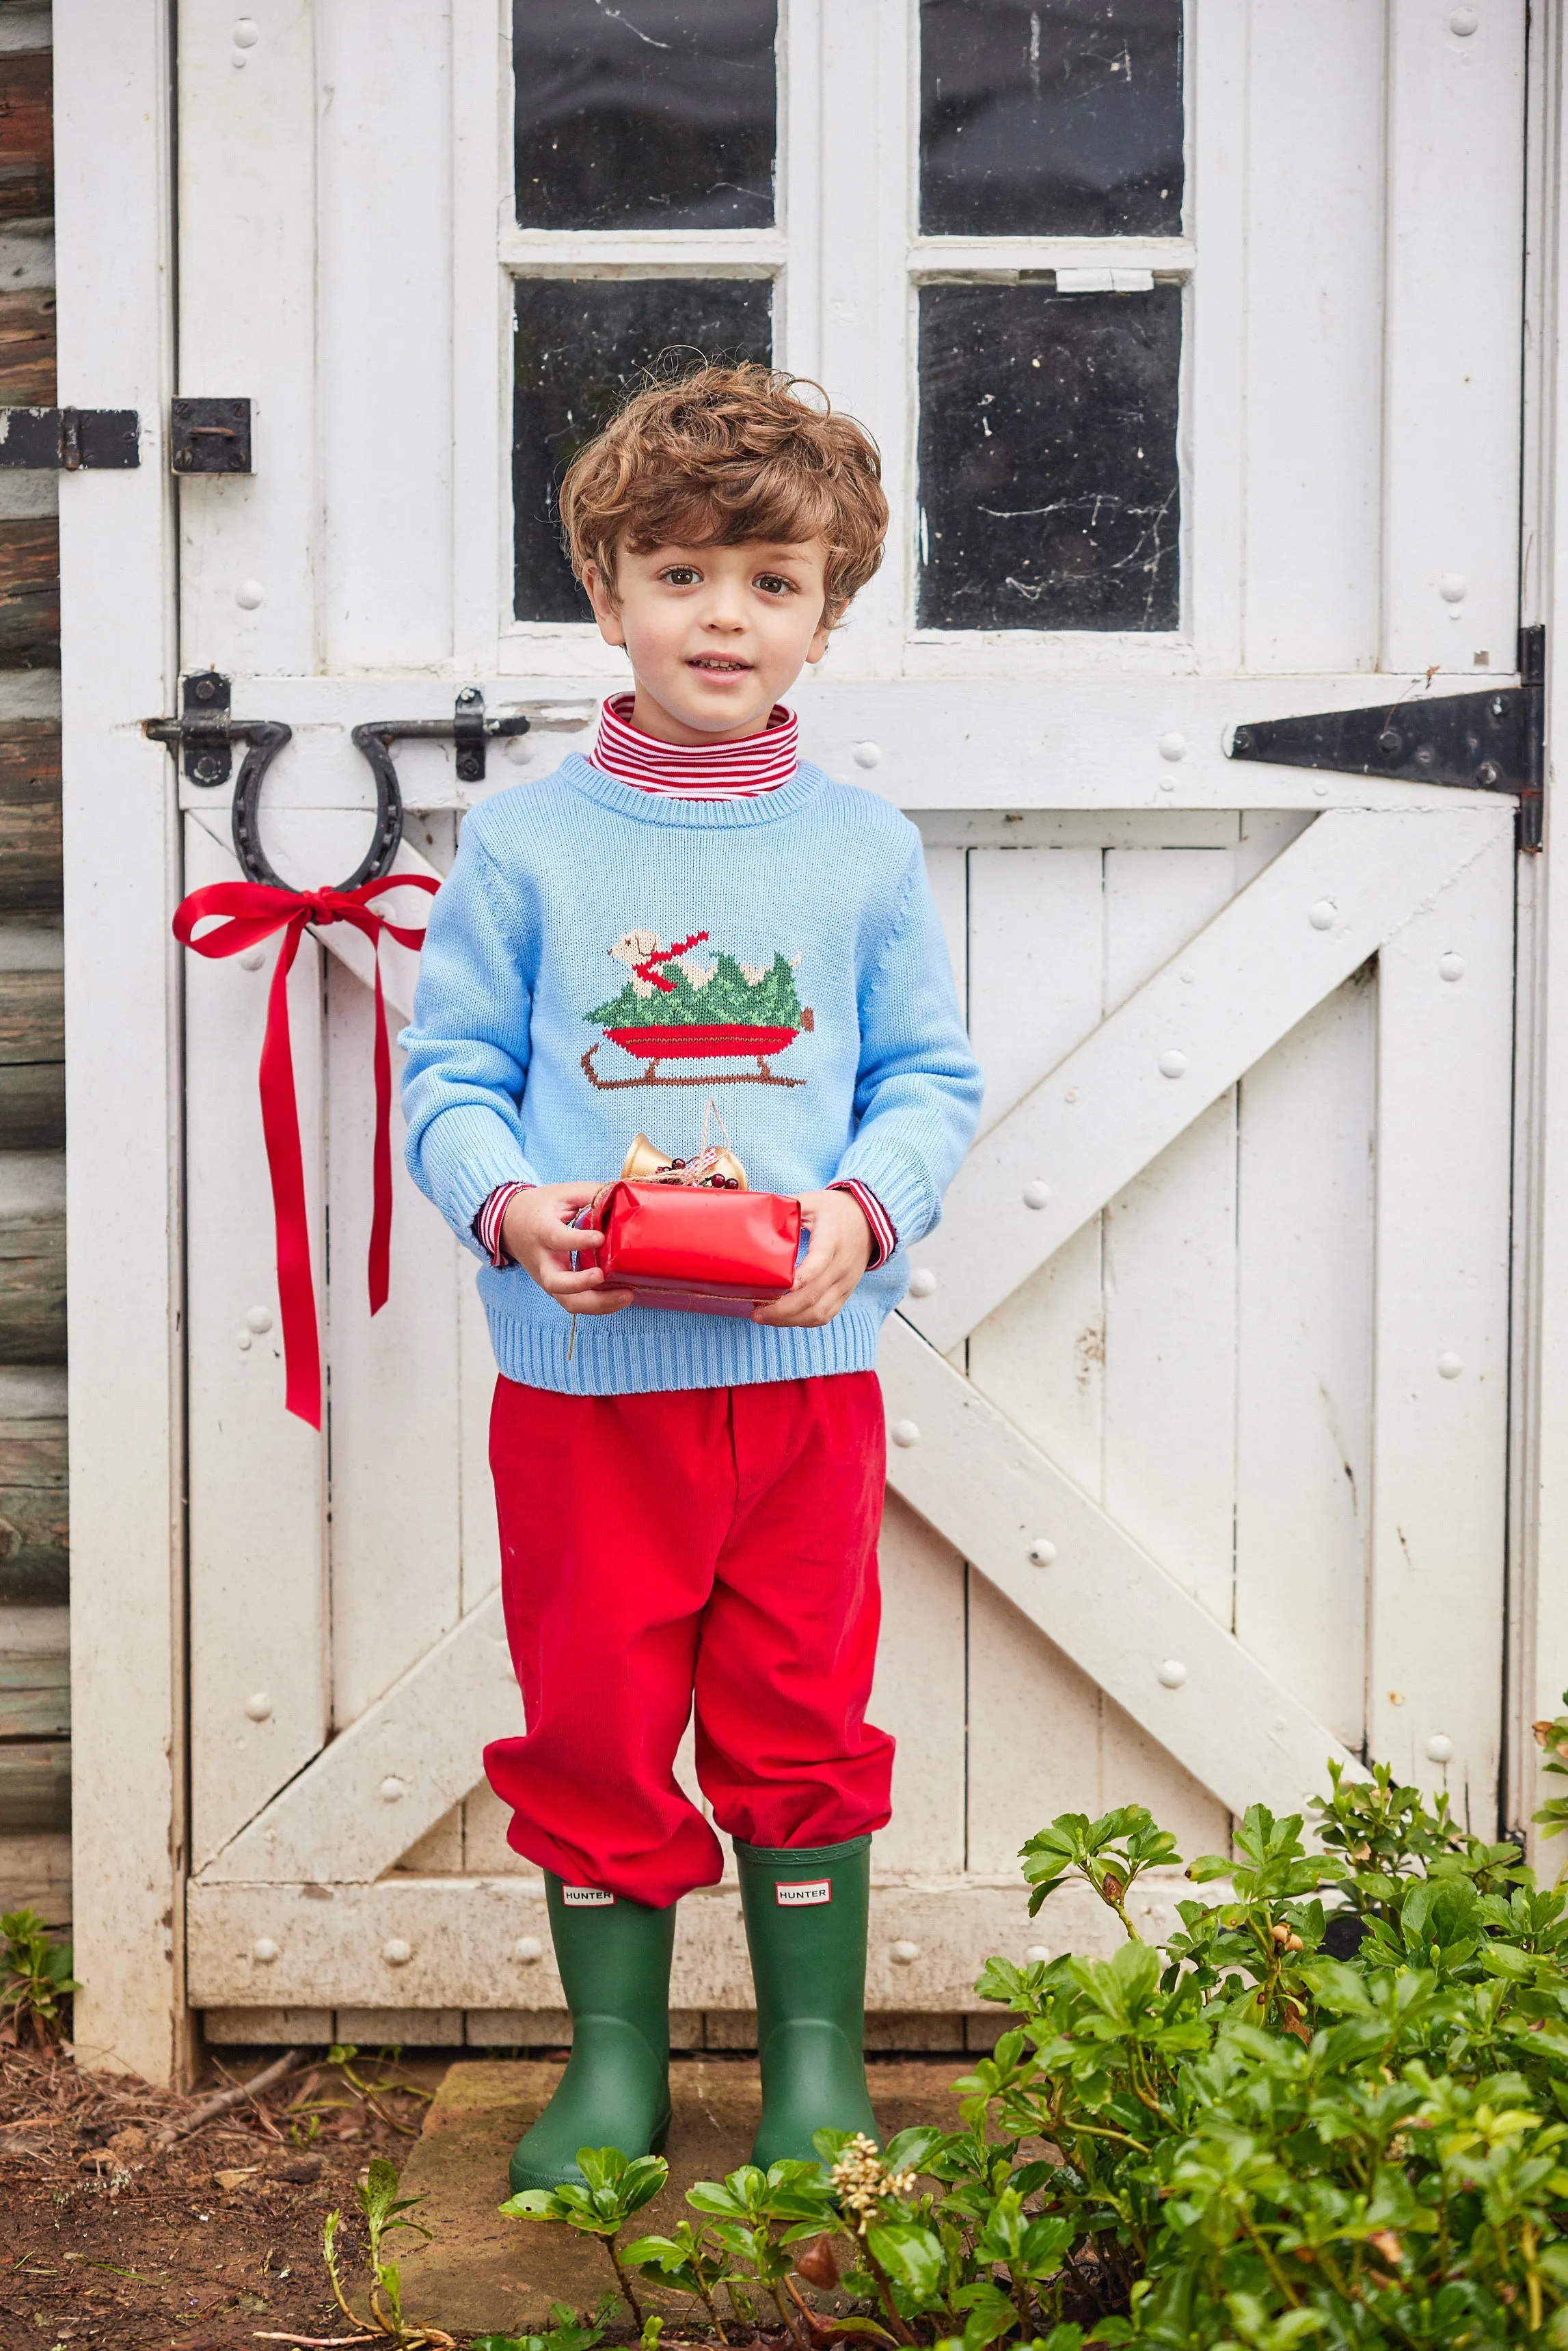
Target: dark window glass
649	114
581	346
1059	120
1049	491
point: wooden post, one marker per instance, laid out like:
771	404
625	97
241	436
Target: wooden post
123	1102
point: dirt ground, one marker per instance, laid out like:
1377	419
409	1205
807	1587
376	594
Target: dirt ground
211	2244
116	2233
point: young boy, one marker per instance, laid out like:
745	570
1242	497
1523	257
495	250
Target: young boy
689	1504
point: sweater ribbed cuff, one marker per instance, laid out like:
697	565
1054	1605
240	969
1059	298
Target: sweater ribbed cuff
899	1186
885	1239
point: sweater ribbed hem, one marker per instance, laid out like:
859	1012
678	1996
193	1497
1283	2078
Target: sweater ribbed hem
645	1349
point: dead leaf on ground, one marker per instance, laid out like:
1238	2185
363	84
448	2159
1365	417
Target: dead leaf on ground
229	2180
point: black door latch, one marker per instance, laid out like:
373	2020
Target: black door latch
1489	742
203	734
209	436
69	440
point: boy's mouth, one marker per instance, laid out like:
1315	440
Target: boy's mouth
718	665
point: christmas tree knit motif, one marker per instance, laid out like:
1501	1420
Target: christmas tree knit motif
678	1007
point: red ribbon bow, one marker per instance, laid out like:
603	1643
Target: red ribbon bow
252	911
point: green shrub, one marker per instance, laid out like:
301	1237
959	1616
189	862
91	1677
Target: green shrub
1332	2113
36	1979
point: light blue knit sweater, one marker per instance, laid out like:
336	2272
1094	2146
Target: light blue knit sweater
809	918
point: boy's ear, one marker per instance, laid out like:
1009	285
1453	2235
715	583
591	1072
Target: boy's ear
606	611
825	627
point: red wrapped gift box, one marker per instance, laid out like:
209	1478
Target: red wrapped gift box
685	1246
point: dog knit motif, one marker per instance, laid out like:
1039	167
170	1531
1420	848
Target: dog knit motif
737	905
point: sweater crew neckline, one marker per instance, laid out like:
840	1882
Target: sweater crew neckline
700	815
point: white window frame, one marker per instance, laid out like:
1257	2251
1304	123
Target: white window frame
846	311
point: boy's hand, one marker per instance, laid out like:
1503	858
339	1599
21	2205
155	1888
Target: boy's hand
841	1247
537	1232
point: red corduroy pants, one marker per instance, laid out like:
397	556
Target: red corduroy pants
707	1544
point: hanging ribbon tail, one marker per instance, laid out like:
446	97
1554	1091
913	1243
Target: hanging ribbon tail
380	1158
246	913
281	1126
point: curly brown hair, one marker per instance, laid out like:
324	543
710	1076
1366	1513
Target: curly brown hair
726	455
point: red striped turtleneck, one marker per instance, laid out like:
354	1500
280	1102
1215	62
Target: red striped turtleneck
696	772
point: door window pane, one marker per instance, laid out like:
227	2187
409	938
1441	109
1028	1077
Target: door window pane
1049	491
650	114
1062	118
582	346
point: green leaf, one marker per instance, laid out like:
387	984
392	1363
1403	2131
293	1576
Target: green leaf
532	2204
907	2149
911	2255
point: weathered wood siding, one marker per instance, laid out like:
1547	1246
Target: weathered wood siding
34	1707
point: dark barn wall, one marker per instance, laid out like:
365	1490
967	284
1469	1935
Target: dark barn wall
34	1752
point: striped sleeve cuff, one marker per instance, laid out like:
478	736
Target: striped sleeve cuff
487	1223
884	1240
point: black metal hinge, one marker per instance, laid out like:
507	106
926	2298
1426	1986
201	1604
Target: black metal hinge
69	440
1491	742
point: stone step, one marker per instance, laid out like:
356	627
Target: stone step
479	2273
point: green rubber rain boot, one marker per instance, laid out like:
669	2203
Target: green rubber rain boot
614	1961
805	1913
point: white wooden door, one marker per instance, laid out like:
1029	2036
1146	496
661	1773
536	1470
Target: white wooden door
1193	352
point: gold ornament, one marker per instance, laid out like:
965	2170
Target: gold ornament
645	1163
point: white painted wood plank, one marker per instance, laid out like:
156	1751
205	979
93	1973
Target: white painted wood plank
396	1533
1440	1398
1041	1356
863	344
1135	1769
481	332
113	131
1169	1253
258	1575
919	1694
439	1851
799	189
1034	1733
1314	325
1036	964
1108	1108
1034	1717
1102	1600
393	1773
1214	388
248	299
385	333
1451	362
1540	1583
1305	1355
462	1935
1006	734
485	1853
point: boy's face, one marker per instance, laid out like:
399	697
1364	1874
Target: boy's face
716	636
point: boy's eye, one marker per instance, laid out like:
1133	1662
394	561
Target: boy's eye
771	584
681	575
